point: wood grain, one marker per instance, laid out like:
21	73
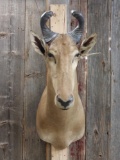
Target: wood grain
12	78
77	149
58	22
115	82
4	79
61	2
98	83
59	154
35	71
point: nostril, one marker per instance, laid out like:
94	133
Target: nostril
65	103
71	98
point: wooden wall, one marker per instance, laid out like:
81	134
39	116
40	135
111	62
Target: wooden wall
22	80
99	83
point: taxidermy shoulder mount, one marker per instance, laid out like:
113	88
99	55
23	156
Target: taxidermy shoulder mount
60	118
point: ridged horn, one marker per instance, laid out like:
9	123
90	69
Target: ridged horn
76	34
48	35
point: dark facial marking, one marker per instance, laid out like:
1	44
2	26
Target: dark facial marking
50	55
38	43
82	51
77	55
63	103
88	42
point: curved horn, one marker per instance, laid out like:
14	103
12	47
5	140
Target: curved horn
47	33
77	32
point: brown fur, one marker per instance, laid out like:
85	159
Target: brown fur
54	125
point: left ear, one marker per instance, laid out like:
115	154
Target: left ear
87	45
38	44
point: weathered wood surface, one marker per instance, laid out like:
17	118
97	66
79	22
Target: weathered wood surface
22	80
98	83
77	149
58	23
115	82
59	154
65	2
4	95
35	73
12	78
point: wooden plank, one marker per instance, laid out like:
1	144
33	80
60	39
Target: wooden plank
11	82
115	79
77	149
16	84
60	2
98	83
4	79
48	151
35	72
59	154
63	3
59	18
59	25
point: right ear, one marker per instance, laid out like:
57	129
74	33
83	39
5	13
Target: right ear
38	44
87	45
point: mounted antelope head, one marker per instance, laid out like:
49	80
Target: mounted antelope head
60	116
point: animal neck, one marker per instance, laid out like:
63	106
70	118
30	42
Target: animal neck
55	112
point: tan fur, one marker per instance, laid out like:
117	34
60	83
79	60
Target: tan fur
54	125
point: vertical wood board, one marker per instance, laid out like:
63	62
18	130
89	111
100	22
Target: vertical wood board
16	84
35	72
77	149
59	20
60	2
115	82
59	154
98	83
4	79
58	24
12	57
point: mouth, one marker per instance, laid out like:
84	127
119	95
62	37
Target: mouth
64	108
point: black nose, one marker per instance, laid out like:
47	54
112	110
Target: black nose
65	103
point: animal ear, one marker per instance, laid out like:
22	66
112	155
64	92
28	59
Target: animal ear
38	44
87	45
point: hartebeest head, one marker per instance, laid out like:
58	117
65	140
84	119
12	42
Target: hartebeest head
61	53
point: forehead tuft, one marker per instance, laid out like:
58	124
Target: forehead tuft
63	44
63	39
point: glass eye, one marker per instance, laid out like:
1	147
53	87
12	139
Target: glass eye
50	55
77	55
